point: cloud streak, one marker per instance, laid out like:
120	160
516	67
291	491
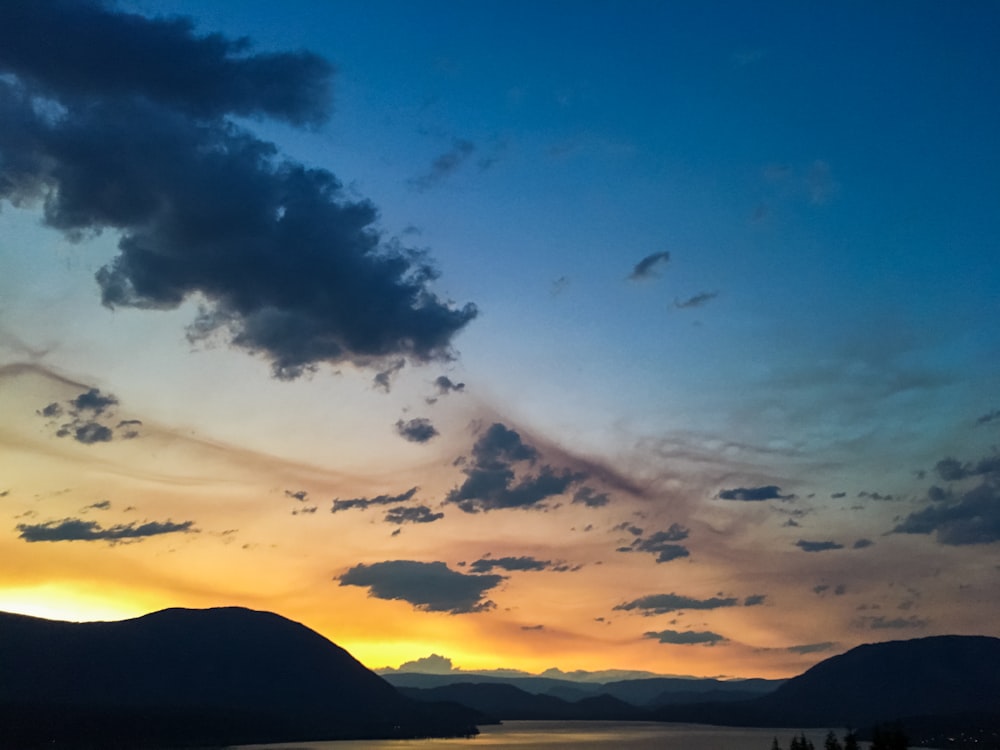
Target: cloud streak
78	530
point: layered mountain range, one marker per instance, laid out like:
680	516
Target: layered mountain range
187	678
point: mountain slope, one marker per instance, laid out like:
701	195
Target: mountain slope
937	676
235	674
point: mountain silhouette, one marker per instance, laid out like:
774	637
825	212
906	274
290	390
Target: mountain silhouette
184	677
933	683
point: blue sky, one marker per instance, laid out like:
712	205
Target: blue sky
733	265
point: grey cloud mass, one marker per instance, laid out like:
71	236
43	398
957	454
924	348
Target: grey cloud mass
658	604
428	586
363	502
419	430
78	530
491	482
120	122
971	518
649	266
89	414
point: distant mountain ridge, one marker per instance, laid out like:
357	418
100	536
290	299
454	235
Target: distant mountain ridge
195	677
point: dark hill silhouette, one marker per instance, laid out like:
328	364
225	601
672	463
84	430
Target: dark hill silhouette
936	677
507	702
195	677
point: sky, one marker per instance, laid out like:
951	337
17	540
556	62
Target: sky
587	336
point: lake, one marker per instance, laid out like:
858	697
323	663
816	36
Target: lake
595	735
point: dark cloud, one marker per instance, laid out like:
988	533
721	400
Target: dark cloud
305	510
698	300
532	627
364	502
952	470
971	518
446	385
649	266
491	482
875	496
93	401
862	543
659	604
812	648
117	121
78	530
431	587
808	546
662	544
92	52
418	430
89	414
89	433
754	600
300	495
988	417
488	564
383	379
685	638
100	505
412	514
129	428
591	498
444	164
838	495
754	494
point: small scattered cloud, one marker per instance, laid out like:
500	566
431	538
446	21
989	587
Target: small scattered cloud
532	627
419	430
699	300
78	530
838	495
754	600
988	417
659	604
364	502
591	498
825	546
383	379
862	543
754	494
510	564
687	638
444	165
971	518
412	514
428	586
662	544
99	505
868	495
90	419
300	495
649	267
446	385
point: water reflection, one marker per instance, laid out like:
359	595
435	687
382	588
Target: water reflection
591	735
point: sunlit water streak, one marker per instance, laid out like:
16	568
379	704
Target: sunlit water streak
591	735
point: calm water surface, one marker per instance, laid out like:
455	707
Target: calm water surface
590	735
